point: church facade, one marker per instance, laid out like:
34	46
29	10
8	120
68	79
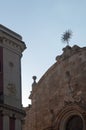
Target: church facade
59	97
11	111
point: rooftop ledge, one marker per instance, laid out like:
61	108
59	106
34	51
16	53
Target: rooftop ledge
10	32
69	51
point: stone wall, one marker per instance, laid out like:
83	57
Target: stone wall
61	89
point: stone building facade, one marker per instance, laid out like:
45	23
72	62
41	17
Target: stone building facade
11	48
59	98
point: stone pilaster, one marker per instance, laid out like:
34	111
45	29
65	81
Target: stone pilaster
5	122
18	124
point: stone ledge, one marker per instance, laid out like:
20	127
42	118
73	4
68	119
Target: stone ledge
68	52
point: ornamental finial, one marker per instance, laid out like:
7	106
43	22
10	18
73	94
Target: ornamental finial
34	80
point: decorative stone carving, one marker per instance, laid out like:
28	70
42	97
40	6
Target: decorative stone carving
34	81
72	95
11	64
67	112
68	52
11	88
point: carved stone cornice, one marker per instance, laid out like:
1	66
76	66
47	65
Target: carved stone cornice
11	40
10	32
12	45
10	110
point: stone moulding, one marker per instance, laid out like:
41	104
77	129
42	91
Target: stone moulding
66	113
68	52
12	110
11	40
10	32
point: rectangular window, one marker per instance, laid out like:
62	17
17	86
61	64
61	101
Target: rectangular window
12	123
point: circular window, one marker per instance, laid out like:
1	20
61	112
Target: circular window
74	123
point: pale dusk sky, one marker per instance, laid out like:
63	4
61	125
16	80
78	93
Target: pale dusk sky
41	23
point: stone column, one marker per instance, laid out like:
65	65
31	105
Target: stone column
18	124
5	122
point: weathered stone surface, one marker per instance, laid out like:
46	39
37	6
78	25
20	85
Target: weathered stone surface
60	93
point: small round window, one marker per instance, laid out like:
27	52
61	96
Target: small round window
74	123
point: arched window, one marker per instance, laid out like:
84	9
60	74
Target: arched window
74	123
